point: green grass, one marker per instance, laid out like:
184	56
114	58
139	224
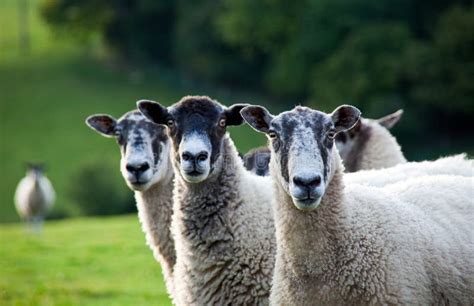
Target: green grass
46	95
79	262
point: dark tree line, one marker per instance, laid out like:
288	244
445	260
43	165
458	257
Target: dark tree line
379	55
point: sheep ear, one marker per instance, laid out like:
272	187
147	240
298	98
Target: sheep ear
257	117
233	116
345	117
103	124
153	111
390	120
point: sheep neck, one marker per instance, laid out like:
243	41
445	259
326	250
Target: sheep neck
309	241
203	210
155	208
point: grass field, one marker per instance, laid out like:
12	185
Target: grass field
46	95
96	261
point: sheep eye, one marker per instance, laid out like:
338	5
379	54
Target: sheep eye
331	134
170	123
222	123
272	135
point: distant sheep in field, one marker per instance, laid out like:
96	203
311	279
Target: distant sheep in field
341	243
34	196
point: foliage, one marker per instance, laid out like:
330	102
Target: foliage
97	193
79	262
137	29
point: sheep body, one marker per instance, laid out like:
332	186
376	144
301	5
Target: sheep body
452	165
34	197
224	235
409	244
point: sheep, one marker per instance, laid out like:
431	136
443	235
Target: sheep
369	144
146	167
34	196
221	256
409	242
257	160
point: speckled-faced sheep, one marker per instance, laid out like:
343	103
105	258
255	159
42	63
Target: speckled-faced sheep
34	196
146	168
409	243
257	161
369	144
222	222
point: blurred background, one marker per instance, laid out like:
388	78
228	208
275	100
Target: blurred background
62	60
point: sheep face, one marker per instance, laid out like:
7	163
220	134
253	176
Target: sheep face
302	148
144	147
197	126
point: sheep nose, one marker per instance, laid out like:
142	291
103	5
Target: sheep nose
307	182
138	168
199	157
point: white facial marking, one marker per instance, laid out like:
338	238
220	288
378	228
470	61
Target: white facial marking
305	164
195	170
195	143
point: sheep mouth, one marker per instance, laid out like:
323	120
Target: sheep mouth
307	204
194	173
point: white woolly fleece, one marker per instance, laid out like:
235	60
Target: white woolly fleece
409	243
452	165
34	197
224	235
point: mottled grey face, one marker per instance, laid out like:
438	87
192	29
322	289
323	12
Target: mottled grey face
197	127
301	142
257	161
144	147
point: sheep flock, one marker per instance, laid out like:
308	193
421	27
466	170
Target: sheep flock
329	213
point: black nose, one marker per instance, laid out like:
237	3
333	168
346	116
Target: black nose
307	182
200	157
137	168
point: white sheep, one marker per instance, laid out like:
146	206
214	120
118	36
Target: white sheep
410	242
34	196
146	168
222	222
369	144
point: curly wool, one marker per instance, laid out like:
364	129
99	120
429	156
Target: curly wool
408	243
224	234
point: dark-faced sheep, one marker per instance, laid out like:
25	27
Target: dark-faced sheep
222	222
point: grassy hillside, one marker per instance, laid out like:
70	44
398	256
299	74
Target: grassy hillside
79	262
46	95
